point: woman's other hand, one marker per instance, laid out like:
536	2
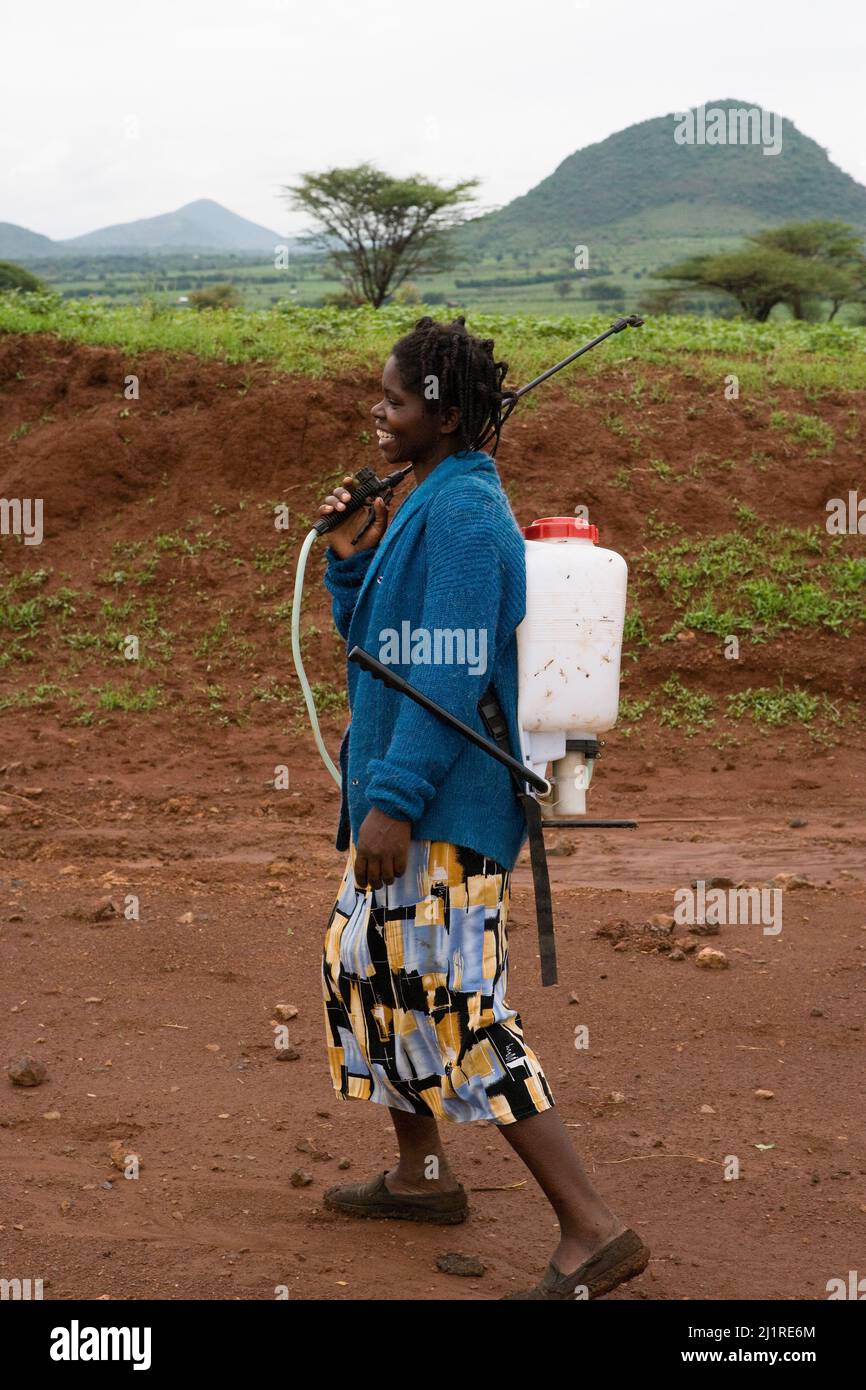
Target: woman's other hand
382	850
340	540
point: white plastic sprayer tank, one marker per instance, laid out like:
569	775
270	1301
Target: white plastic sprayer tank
569	647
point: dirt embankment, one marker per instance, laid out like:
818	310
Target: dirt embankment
157	1031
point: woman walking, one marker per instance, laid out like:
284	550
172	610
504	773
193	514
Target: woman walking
415	960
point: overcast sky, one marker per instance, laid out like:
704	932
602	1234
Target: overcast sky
111	110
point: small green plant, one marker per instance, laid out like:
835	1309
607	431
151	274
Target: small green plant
662	467
632	711
682	708
776	705
807	429
129	701
634	629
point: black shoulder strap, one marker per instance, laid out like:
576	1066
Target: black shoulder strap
494	722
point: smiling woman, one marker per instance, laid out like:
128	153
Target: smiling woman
440	373
414	965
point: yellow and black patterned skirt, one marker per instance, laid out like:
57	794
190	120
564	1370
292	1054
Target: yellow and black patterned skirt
414	978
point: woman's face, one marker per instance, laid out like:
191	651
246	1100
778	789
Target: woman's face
406	433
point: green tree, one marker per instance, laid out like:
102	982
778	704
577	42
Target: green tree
834	244
380	230
562	288
15	277
798	264
219	296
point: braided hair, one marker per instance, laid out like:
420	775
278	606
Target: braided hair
466	375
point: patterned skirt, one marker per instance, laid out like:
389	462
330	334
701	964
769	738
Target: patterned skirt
414	978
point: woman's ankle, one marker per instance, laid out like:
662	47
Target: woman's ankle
422	1176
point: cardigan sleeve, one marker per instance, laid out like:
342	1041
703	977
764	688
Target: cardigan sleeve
462	596
343	580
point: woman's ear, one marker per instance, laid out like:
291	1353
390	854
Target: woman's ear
449	420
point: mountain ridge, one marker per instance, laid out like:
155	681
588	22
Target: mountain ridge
642	170
199	226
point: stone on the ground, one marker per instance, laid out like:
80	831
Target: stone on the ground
711	960
27	1071
453	1262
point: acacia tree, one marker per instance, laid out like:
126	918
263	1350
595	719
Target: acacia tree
386	229
828	243
798	264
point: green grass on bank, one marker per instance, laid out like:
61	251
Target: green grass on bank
326	342
756	583
678	706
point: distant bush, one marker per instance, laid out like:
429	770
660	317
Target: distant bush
408	293
219	296
603	290
15	277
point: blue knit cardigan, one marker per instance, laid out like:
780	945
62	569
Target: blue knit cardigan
453	558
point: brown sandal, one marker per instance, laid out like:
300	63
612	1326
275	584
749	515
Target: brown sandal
374	1199
622	1258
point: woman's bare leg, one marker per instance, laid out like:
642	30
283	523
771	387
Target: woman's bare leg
586	1223
419	1141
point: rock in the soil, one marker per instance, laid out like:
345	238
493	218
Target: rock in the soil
279	866
687	944
301	1179
287	1054
676	954
761	1094
285	1012
122	1154
714	881
468	1266
26	1071
662	921
104	910
796	823
790	881
712	960
704	928
344	1163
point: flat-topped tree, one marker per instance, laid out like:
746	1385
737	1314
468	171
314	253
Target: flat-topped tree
385	229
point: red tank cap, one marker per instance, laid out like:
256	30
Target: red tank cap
553	528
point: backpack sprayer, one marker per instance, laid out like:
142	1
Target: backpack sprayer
569	646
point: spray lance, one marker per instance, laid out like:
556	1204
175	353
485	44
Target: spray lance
561	730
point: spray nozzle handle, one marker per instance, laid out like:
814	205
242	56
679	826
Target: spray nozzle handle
365	486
